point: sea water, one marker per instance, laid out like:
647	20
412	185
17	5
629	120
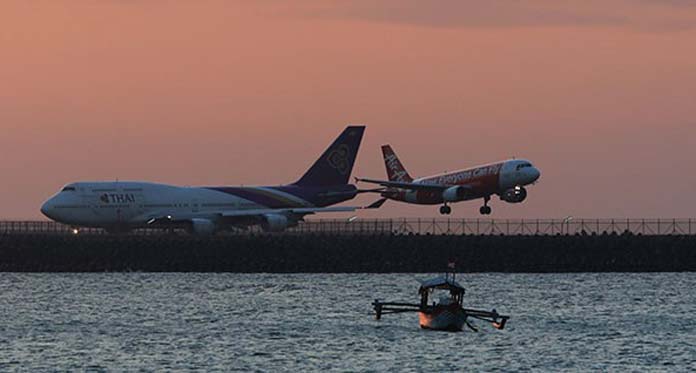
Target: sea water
310	322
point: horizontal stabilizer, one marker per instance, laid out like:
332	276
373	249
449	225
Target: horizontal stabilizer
377	204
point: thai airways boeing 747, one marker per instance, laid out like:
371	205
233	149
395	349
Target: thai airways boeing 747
123	206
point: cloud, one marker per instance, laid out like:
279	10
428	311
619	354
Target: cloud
453	13
665	15
676	3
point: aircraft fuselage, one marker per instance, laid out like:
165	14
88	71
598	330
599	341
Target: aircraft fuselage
481	181
133	204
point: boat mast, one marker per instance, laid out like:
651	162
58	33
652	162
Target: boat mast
451	270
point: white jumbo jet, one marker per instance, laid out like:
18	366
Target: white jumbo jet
123	206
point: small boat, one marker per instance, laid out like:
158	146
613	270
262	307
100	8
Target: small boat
447	313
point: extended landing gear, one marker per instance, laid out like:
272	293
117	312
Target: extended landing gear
445	210
485	209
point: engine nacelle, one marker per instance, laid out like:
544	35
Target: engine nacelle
455	194
202	227
274	223
514	195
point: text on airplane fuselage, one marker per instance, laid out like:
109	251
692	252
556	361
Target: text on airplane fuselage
117	198
463	176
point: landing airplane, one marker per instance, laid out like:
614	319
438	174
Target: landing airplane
123	206
506	179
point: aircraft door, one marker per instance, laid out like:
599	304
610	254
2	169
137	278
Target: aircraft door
508	174
90	200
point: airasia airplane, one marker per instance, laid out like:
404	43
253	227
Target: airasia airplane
123	206
506	179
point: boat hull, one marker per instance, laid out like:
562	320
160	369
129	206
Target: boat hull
443	318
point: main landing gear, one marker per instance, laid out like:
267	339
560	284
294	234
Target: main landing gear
485	209
445	210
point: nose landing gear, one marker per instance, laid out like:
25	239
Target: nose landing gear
445	210
485	209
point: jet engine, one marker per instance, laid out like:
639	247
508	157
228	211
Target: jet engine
274	223
455	194
514	195
202	227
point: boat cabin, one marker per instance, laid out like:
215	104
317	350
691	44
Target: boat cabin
446	283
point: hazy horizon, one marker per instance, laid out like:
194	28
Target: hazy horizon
599	95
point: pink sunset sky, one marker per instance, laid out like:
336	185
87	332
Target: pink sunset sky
600	95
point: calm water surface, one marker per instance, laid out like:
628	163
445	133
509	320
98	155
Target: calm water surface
140	321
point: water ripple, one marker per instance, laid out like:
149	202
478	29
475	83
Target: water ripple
144	321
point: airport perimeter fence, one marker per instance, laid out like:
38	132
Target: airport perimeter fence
422	226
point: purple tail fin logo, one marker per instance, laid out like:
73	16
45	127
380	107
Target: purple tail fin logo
338	159
335	164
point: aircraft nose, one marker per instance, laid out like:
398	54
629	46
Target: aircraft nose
534	174
46	208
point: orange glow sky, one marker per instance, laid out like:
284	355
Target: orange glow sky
600	95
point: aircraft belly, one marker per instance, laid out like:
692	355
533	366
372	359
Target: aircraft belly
478	188
423	197
481	187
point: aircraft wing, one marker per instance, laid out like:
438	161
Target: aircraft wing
251	213
298	211
406	185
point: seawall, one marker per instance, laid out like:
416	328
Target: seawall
346	253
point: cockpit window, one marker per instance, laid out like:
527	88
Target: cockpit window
523	165
68	189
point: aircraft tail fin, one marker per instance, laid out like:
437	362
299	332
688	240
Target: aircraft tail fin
395	170
336	163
